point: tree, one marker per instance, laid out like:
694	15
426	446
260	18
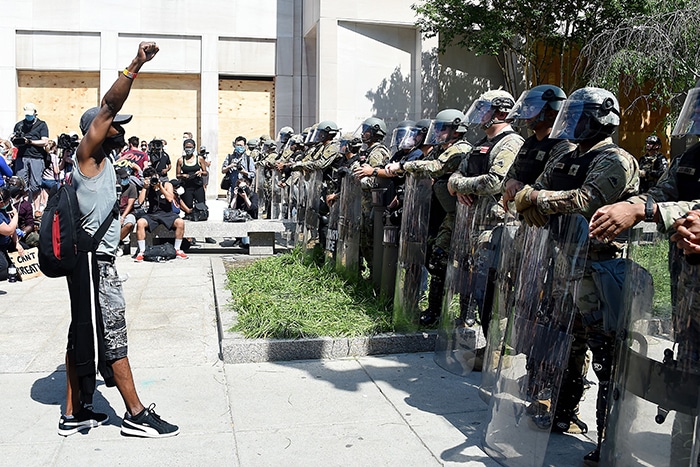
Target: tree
527	37
653	56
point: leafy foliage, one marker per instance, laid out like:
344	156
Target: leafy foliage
533	33
655	55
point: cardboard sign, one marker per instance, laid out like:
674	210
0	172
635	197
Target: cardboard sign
27	264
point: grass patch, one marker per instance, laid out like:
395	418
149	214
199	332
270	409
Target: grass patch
654	258
294	296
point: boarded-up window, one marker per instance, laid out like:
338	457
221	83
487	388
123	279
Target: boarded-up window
246	108
60	97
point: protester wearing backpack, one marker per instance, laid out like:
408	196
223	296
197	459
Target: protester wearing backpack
95	275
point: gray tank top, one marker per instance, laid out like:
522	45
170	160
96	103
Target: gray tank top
96	197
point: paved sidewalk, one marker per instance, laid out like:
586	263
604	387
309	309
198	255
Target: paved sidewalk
398	410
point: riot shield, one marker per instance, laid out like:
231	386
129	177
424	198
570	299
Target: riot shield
284	200
653	412
275	192
381	195
332	233
472	262
260	181
413	248
536	345
293	184
312	181
301	209
348	246
511	237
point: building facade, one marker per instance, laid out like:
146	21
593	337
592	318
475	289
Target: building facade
230	67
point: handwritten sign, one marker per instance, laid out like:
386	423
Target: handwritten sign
27	264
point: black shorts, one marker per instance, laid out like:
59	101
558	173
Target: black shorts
163	218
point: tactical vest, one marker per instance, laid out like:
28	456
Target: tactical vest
447	201
531	159
478	161
570	172
688	174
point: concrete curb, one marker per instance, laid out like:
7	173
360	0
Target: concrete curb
234	348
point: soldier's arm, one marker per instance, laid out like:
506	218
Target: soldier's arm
490	183
610	175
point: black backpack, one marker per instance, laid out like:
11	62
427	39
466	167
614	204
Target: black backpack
160	253
61	237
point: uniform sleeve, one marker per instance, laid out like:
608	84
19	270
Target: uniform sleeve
611	175
501	159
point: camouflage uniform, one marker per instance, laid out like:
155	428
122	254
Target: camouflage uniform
581	183
481	175
375	155
651	167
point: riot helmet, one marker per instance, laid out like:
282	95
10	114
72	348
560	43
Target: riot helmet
653	141
483	111
253	143
349	143
373	129
284	134
588	113
446	127
532	105
688	122
404	136
324	131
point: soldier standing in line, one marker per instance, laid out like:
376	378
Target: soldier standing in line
445	133
652	164
598	172
372	132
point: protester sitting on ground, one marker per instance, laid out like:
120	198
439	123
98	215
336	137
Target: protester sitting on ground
25	215
243	198
160	197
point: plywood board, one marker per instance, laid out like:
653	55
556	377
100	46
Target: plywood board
164	106
246	108
60	97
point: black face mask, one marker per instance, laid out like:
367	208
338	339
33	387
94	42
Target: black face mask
113	142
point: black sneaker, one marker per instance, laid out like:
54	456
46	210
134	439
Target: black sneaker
83	420
148	424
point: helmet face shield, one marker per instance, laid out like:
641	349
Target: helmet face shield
318	136
480	112
404	138
529	106
439	133
688	122
364	132
571	122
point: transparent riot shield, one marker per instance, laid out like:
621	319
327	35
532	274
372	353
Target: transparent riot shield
511	242
472	262
260	181
275	192
348	246
536	344
284	200
332	233
653	412
301	209
293	184
413	241
381	195
312	181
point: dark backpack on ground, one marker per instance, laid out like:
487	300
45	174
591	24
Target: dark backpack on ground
159	253
61	237
200	212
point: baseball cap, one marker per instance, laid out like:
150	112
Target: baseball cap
91	113
122	173
29	109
